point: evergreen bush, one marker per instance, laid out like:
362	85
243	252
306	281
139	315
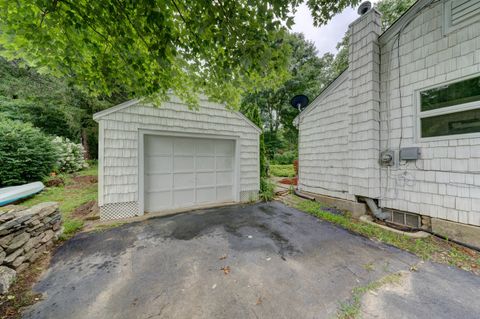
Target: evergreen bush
26	153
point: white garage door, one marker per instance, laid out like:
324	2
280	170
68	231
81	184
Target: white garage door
182	172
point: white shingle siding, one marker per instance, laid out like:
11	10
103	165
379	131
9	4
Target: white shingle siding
120	133
442	183
445	182
323	144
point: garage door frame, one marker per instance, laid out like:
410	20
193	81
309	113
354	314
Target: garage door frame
141	159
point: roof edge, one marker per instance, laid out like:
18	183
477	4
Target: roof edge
338	80
97	116
405	18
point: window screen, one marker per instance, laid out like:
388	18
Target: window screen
451	94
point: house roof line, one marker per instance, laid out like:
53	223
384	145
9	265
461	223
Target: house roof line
405	18
335	82
97	116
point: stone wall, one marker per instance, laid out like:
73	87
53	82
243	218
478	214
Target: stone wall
25	233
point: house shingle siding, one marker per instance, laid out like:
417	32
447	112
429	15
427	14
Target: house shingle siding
445	182
364	116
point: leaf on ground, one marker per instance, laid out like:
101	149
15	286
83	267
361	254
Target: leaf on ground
259	301
226	270
223	257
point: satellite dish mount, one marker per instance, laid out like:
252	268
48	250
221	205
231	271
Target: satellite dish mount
299	102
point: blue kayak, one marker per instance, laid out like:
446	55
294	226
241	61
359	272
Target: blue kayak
13	193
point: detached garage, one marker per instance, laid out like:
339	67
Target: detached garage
159	159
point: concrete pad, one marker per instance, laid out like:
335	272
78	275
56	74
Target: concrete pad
281	263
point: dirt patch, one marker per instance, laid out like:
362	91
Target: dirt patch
82	181
87	211
55	182
21	294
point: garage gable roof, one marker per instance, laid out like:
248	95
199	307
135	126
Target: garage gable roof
97	116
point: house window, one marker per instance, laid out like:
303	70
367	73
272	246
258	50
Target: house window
451	109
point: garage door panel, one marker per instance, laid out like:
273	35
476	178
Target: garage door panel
205	147
224	193
184	146
205	163
206	195
182	172
206	179
183	180
224	163
183	164
158	145
225	147
155	201
159	164
184	197
158	182
224	178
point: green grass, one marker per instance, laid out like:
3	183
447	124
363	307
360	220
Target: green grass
282	170
351	309
69	198
430	248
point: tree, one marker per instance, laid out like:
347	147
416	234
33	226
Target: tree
308	75
147	47
392	10
50	104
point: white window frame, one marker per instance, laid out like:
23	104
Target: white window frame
442	111
447	17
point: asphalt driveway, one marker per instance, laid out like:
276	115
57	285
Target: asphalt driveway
247	261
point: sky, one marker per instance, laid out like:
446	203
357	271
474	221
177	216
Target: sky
327	36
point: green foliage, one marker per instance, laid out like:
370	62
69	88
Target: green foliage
282	170
70	227
285	158
49	103
26	153
392	10
70	156
267	189
146	47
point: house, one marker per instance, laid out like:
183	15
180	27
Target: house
157	159
400	128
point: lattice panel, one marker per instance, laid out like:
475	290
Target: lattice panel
248	196
118	210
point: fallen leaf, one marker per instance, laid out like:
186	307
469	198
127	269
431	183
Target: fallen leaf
226	270
259	301
223	257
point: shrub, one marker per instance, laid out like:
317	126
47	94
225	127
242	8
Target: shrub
26	153
267	189
70	155
284	158
282	170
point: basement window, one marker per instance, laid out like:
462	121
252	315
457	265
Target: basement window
452	109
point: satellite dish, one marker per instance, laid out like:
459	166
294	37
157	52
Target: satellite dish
299	102
364	7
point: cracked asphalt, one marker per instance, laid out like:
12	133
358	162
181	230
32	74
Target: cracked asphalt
282	263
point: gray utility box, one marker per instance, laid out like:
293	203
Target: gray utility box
409	153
